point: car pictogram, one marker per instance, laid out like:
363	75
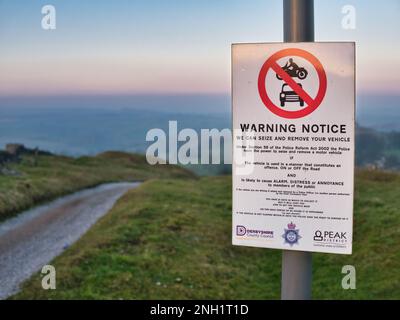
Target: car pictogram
288	95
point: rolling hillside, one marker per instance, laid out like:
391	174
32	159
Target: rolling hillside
171	239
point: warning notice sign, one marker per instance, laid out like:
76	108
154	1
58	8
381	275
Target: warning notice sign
293	139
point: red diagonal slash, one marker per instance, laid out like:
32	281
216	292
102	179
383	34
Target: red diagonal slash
296	88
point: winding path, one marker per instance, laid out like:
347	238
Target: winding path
33	238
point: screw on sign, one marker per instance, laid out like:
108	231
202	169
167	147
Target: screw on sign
291	87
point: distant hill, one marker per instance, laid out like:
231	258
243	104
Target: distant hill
378	149
38	177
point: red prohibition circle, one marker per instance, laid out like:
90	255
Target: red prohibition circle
312	103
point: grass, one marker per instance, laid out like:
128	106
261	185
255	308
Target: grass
54	176
171	239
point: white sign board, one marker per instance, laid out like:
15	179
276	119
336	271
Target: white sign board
293	139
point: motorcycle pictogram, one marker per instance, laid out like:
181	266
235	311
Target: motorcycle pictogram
293	70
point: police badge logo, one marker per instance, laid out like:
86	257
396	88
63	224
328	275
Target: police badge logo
291	234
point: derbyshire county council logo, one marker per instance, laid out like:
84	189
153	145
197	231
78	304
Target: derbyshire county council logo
240	230
291	234
254	233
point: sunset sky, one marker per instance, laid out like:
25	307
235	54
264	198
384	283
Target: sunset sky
175	46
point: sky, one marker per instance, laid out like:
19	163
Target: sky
172	47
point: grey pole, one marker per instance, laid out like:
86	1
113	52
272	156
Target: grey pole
298	22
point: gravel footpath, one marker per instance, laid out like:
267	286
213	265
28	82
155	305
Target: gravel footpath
32	239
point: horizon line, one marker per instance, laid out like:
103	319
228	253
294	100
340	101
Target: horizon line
160	94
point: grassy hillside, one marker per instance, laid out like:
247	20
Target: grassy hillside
53	176
171	239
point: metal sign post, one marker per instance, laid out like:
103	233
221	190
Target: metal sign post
297	191
298	24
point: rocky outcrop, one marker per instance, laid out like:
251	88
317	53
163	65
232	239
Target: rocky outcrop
14	151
